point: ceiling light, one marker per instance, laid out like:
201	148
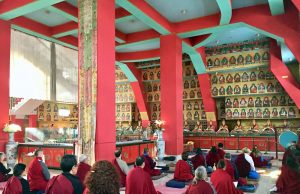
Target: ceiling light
284	77
290	59
257	35
183	11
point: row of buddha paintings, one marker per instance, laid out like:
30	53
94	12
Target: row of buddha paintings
123	88
151	74
250	58
124	116
194	115
276	112
191	84
193	106
126	97
192	94
153	97
241	77
155	116
120	76
152	87
259	101
53	107
123	107
252	88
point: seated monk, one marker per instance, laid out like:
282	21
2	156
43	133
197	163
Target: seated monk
150	164
238	127
268	128
199	185
231	167
121	167
212	158
83	168
67	182
223	127
38	173
254	127
259	161
245	165
4	176
138	181
17	184
222	181
183	171
289	179
220	151
198	159
210	127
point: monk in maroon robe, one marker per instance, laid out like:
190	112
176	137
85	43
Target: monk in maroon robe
229	168
83	168
289	180
38	173
150	164
138	181
212	158
17	184
199	185
220	151
242	165
222	181
67	182
198	159
121	168
183	170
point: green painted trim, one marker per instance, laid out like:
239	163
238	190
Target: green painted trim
65	33
140	60
126	71
142	16
125	19
276	7
62	13
119	40
43	37
226	11
209	39
28	8
195	57
127	45
237	69
148	66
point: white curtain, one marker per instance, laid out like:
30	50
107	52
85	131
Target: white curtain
29	67
66	74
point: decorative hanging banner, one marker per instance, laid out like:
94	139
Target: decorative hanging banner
87	77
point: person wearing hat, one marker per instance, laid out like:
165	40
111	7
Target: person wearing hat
245	165
83	168
17	184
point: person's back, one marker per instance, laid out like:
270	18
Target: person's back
38	173
17	184
138	181
83	168
220	151
222	181
198	159
150	164
212	158
242	165
121	167
67	182
183	170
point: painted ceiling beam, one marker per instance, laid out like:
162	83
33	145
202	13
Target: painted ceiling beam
144	12
23	9
123	15
226	14
66	10
297	4
138	56
276	7
39	30
120	36
64	29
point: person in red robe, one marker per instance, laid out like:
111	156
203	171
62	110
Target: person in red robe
288	181
38	173
199	185
103	179
121	167
258	159
242	165
138	181
83	168
229	168
67	182
183	171
212	158
220	151
198	159
150	164
222	181
17	184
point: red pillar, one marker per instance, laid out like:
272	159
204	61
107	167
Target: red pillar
32	121
105	144
205	89
140	97
171	92
4	80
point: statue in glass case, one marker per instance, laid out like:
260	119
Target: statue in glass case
240	60
274	112
209	63
250	113
223	127
235	103
292	112
186	85
193	84
283	112
222	91
222	79
261	88
245	89
245	77
238	128
237	89
248	59
214	79
243	113
236	113
252	76
229	78
274	101
228	113
253	88
224	61
185	95
258	113
266	113
282	101
266	101
237	77
215	91
258	102
243	103
270	87
228	103
232	60
254	128
210	127
261	75
250	102
268	127
229	90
